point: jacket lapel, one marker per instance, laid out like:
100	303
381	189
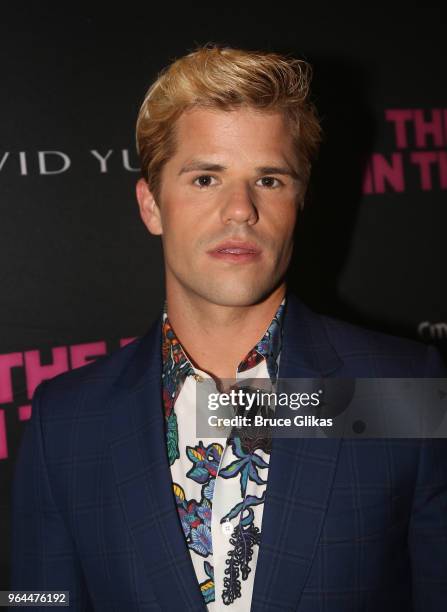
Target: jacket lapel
143	479
301	474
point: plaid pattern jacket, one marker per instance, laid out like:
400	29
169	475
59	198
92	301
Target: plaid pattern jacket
348	526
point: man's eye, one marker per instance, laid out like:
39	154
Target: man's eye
203	181
270	181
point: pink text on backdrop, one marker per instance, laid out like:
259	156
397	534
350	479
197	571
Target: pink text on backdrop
420	143
64	358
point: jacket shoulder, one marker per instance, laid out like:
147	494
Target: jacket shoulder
92	383
349	336
387	355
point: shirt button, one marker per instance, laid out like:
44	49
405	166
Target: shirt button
227	528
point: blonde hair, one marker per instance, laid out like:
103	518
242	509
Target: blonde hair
225	78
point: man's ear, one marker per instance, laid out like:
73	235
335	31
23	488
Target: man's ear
149	209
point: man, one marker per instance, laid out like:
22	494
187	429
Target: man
116	497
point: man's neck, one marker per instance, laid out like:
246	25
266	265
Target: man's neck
216	338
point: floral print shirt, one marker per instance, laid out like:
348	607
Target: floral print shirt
219	484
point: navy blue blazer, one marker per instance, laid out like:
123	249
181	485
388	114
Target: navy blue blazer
348	524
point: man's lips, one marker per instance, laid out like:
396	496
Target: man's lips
236	251
237	248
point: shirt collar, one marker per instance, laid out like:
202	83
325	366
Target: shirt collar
177	366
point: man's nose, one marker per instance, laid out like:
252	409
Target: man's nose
239	205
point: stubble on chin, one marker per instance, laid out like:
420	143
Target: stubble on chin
236	292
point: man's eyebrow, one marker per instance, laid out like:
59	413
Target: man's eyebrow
286	170
202	165
198	164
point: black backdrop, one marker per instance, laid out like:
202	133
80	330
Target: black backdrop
79	274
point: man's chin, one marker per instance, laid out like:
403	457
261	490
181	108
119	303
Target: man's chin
236	295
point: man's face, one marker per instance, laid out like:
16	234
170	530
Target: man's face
227	205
